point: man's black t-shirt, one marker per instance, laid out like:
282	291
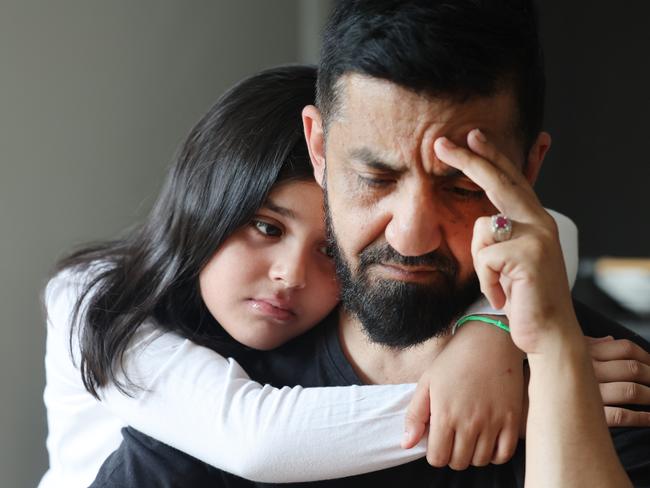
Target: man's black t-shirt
316	359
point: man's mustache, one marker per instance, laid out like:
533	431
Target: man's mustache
385	254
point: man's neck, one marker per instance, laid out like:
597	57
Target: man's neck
377	364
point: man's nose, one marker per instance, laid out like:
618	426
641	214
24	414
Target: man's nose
289	269
414	228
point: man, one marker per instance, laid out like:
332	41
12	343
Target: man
429	120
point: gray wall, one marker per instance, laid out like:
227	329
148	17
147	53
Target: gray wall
94	99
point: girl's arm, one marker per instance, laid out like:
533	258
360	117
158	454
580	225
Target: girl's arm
195	400
200	403
207	406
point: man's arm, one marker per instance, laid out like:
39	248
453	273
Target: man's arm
567	443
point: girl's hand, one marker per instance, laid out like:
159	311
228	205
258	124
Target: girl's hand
622	369
471	399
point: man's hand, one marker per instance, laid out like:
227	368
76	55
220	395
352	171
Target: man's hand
525	274
623	372
471	399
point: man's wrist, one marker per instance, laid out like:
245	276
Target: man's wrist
472	330
558	343
481	318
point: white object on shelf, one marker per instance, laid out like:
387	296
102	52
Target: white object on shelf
626	280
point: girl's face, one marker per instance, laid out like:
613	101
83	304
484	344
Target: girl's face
272	280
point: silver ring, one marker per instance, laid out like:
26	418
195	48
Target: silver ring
501	228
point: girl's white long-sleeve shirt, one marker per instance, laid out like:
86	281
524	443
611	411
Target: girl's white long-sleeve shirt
201	403
206	405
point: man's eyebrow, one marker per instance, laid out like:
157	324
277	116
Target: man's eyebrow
372	160
284	211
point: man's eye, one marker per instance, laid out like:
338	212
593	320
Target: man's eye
374	181
466	193
266	228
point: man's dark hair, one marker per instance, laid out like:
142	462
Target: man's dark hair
456	49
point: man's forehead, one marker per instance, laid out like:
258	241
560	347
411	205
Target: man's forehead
396	123
388	161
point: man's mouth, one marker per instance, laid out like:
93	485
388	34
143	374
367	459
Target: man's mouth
407	273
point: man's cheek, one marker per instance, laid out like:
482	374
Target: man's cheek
460	243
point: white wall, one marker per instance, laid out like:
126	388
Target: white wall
94	99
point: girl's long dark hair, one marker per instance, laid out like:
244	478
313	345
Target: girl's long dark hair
248	141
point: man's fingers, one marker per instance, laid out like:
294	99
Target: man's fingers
489	280
622	417
417	416
478	143
622	370
512	196
624	393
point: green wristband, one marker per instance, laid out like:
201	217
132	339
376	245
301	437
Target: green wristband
480	318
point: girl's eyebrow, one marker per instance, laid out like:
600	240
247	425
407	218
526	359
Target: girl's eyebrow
274	207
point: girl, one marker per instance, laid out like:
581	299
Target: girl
231	259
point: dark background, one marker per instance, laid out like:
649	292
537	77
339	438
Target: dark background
598	112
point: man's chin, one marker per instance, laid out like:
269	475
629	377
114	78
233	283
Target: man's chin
401	314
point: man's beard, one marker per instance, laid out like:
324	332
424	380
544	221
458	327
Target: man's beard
395	313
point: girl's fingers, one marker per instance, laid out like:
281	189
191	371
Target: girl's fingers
622	417
594	340
624	393
440	445
629	370
417	416
618	349
463	450
484	450
506	445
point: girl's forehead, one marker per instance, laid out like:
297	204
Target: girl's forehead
295	199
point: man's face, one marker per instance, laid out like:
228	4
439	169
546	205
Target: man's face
402	220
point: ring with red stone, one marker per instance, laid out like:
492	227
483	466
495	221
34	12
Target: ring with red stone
501	228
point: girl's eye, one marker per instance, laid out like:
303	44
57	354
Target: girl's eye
266	228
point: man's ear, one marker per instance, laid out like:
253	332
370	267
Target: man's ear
312	123
536	156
